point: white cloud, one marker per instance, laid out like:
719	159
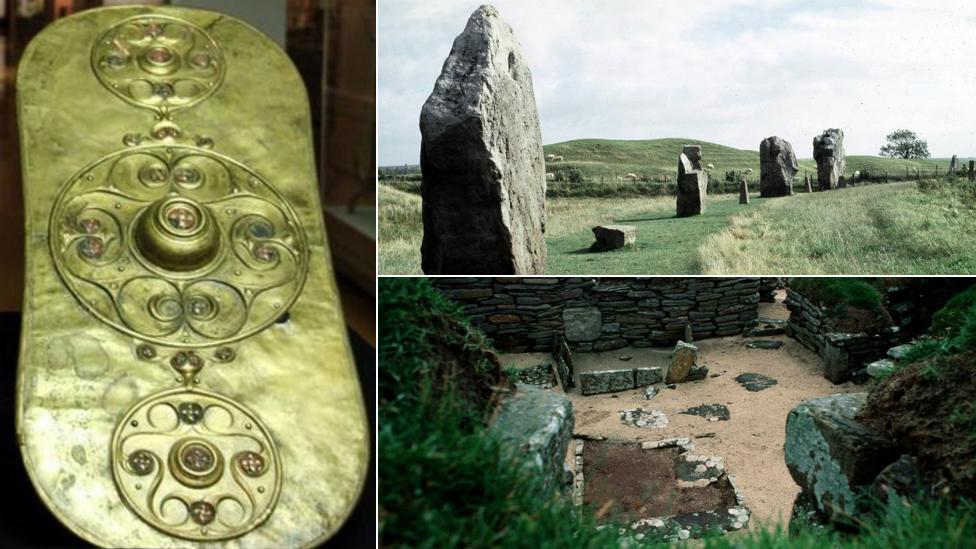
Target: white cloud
731	72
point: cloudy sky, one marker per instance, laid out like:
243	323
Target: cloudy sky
725	71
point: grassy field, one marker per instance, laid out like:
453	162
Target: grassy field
665	244
655	158
890	229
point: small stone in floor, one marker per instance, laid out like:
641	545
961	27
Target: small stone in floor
770	344
625	358
755	382
650	393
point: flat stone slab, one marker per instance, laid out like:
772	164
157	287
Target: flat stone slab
606	381
755	382
613	237
768	327
711	412
644	418
648	376
769	344
540	376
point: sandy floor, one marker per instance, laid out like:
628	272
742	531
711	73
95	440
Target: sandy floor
751	442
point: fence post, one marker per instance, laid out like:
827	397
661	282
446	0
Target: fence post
972	170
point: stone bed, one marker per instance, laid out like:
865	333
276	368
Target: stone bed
661	489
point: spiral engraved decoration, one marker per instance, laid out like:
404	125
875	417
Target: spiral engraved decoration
158	62
178	245
196	465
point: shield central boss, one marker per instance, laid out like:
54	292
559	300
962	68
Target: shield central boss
188	251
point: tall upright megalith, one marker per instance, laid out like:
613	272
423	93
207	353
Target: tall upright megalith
484	185
692	182
777	167
828	151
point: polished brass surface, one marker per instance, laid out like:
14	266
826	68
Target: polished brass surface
184	375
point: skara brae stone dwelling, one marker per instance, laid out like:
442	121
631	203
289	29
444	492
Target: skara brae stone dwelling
607	370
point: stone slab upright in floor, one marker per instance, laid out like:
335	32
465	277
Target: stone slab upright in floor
481	153
828	151
777	167
692	182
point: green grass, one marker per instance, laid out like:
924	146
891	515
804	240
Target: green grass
401	231
951	316
889	229
834	292
665	244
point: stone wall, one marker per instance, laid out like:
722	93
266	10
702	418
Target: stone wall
911	304
524	314
842	353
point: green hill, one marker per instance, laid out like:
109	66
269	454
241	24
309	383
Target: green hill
654	159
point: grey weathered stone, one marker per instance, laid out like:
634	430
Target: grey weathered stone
605	381
880	368
769	344
743	192
582	323
833	458
644	418
837	362
777	167
755	382
535	428
540	375
647	376
481	154
697	373
692	182
685	356
954	164
899	352
828	151
613	237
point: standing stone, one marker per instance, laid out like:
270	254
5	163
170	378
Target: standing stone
828	151
481	154
684	358
777	167
692	182
743	192
806	181
954	164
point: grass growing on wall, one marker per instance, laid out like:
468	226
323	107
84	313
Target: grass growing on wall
845	292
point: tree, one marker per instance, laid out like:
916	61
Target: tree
905	144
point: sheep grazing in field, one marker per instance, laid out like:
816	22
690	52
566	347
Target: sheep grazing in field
557	159
550	176
748	171
550	157
631	176
710	166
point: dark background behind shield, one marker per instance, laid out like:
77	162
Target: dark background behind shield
333	44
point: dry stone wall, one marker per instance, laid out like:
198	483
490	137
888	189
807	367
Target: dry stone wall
911	304
524	314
